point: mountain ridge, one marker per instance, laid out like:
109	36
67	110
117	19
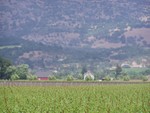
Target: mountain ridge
97	31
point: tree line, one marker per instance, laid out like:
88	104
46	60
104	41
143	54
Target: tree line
12	72
22	71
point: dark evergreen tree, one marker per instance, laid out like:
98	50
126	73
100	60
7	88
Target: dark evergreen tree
84	70
4	64
118	71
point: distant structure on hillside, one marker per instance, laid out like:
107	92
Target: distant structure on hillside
88	74
125	65
135	65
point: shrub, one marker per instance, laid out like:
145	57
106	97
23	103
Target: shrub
126	78
88	78
32	77
69	78
52	78
80	77
145	78
107	78
14	77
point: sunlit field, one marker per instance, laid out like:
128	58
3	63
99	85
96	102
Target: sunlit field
129	98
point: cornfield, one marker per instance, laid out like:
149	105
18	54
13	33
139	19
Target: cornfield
129	98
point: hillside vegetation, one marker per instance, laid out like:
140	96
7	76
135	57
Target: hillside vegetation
56	34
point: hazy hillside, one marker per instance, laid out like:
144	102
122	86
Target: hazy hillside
63	33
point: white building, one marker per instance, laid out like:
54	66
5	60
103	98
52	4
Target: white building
88	74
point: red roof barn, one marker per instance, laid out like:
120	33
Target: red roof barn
42	78
42	74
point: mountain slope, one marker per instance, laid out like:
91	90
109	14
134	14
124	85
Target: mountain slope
64	32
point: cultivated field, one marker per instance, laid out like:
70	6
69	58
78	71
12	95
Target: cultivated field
118	98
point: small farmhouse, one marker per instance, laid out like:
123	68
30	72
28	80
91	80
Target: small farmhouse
42	78
42	75
135	65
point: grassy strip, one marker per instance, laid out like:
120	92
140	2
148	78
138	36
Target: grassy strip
10	47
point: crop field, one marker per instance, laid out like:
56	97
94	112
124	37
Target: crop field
127	98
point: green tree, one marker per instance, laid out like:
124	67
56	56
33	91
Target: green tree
84	70
126	78
146	72
80	76
118	71
107	78
31	77
88	78
69	78
11	70
145	78
52	77
14	77
4	64
22	71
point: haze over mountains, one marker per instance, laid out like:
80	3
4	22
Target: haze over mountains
59	33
